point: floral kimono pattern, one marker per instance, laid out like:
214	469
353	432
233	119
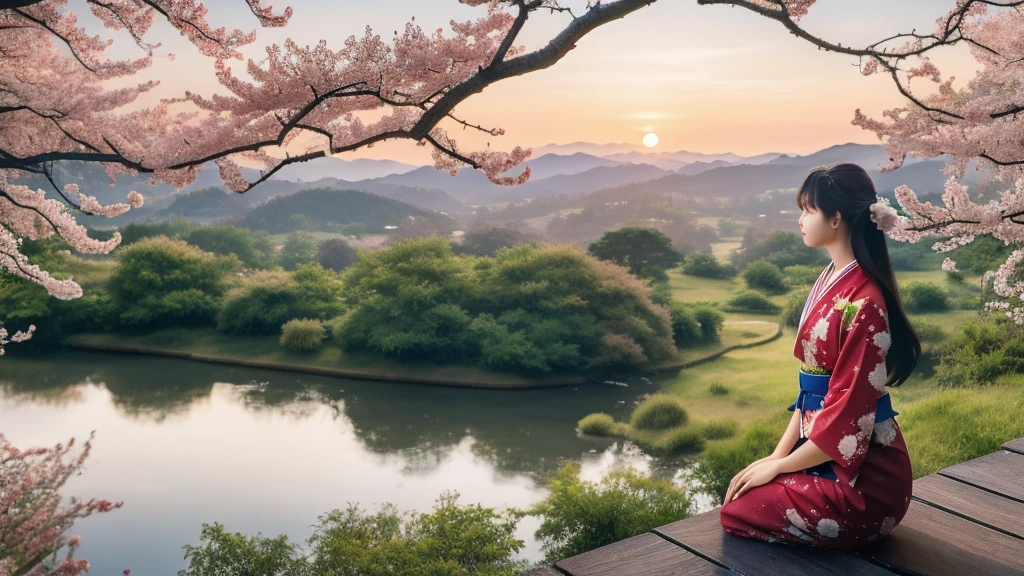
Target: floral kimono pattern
845	331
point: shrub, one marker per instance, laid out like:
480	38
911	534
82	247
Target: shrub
794	306
711	322
801	275
766	277
269	299
599	424
924	297
705	265
718	389
979	352
162	282
750	301
659	412
452	539
299	248
681	440
486	241
260	306
781	247
303	335
720	462
580	516
685	328
336	254
253	249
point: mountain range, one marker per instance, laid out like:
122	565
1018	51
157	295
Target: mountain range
567	170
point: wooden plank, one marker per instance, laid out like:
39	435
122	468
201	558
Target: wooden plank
1015	446
930	541
979	505
645	554
1000	472
704	535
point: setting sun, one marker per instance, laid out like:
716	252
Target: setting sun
650	139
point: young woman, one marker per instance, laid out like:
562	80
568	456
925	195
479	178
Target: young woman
840	476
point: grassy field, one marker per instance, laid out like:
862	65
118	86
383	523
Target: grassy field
748	385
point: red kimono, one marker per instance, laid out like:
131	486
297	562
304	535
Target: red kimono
870	492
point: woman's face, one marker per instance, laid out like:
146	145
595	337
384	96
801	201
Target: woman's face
816	229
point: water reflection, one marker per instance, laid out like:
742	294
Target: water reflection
182	443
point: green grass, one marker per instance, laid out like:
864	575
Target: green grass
722	249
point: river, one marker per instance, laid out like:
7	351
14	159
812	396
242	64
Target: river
182	443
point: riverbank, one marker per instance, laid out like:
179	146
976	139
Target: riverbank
210	346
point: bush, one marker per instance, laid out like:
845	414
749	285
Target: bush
599	424
253	249
711	322
705	265
979	352
720	462
924	297
681	440
269	299
579	516
781	247
452	540
303	335
164	282
299	248
685	328
766	277
750	301
659	412
336	254
794	306
801	275
486	241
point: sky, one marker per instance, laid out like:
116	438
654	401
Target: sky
710	79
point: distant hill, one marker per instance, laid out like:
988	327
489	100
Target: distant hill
550	165
327	206
342	169
698	167
744	180
473	188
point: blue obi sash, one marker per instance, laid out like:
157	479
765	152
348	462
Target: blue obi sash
813	388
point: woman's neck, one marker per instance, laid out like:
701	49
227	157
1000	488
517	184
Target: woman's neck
841	253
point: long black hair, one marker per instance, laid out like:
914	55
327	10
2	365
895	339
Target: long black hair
848	190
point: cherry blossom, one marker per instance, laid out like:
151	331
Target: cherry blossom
32	519
55	106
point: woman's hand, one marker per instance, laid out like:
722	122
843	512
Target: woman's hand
757	473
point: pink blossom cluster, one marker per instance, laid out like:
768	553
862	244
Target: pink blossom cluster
977	123
32	521
54	101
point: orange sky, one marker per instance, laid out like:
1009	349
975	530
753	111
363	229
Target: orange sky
703	78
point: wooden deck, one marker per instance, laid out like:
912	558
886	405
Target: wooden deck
965	520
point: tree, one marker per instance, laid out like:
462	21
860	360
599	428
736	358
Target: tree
54	105
645	251
336	254
159	281
977	124
34	522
